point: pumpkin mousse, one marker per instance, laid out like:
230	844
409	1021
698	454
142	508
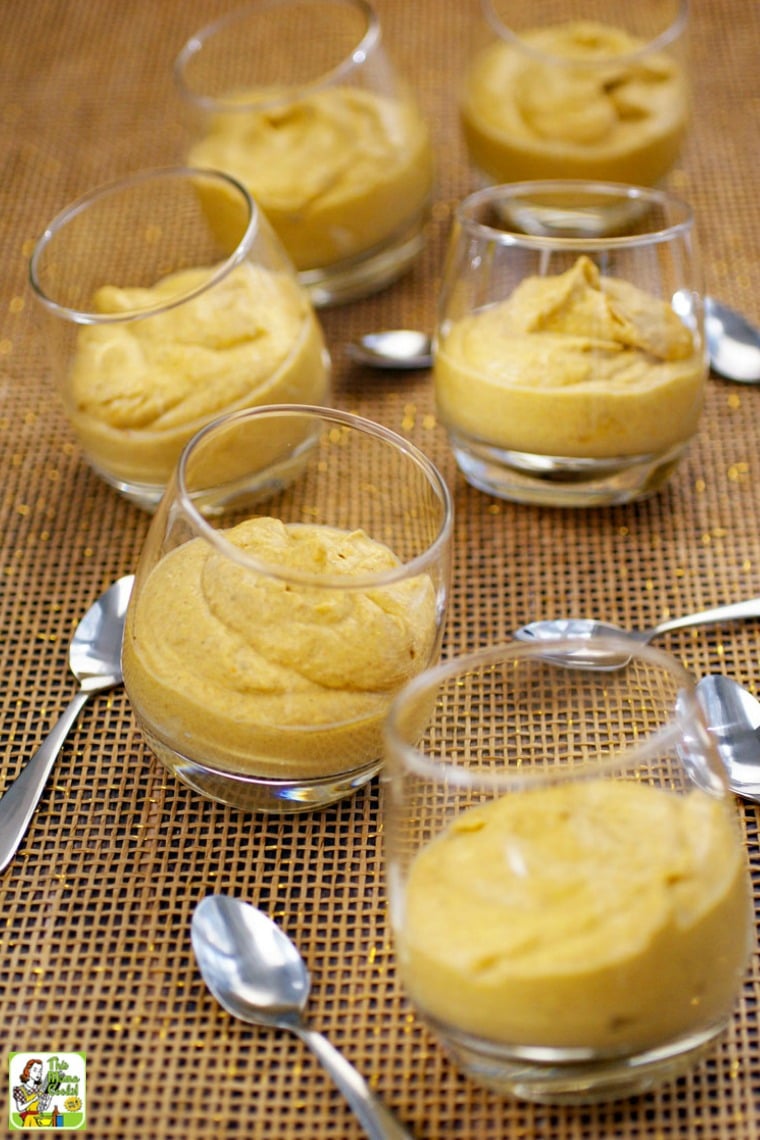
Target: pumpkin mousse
575	100
257	668
576	364
141	387
603	915
337	172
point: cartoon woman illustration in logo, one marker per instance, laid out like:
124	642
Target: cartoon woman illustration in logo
32	1097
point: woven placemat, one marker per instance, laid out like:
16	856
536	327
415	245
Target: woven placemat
94	935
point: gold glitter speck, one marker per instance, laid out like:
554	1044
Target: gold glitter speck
738	472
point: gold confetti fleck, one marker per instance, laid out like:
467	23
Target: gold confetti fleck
700	486
738	472
16	304
734	401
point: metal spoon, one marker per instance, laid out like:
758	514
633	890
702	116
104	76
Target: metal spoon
94	659
733	715
256	973
733	345
395	349
579	628
732	342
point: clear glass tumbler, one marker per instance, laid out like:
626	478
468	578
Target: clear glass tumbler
300	101
570	365
568	887
168	301
294	577
593	89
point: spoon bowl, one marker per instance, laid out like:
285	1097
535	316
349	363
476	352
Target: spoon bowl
95	660
733	716
579	628
394	349
733	345
256	973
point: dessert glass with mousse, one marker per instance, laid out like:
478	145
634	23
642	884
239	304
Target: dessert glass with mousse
295	575
569	892
169	301
569	367
593	89
301	102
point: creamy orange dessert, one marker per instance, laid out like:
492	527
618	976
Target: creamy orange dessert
253	672
139	389
576	364
606	915
337	172
579	100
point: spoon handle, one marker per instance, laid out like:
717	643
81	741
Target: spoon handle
18	802
378	1121
735	611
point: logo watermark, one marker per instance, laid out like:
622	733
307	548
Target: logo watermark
47	1090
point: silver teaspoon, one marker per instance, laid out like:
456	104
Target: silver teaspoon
733	715
732	342
578	628
395	349
256	973
733	345
94	659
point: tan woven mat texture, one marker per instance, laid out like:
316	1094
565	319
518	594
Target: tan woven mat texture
95	908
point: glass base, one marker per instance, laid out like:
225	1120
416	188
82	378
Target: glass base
261	793
564	214
368	272
144	495
548	1076
561	481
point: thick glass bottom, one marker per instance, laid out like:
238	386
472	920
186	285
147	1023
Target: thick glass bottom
565	211
562	481
368	272
261	793
144	495
568	1076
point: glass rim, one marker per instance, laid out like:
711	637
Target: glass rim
660	42
367	43
203	529
118	185
620	191
403	755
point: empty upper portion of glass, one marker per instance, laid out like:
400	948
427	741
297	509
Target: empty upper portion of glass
570	361
593	89
298	99
569	894
170	301
295	575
